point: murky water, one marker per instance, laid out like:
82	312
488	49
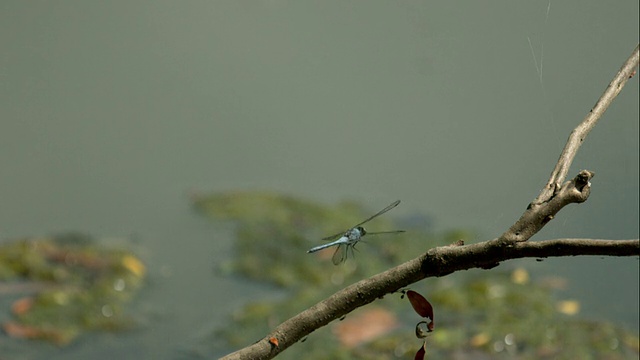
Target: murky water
111	113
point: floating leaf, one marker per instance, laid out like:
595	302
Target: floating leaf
56	335
22	305
520	276
479	340
568	307
366	326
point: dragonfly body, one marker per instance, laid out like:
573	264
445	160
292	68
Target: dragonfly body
348	239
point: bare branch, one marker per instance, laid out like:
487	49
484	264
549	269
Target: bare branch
579	134
538	215
555	195
438	261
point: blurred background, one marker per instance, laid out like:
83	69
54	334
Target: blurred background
112	113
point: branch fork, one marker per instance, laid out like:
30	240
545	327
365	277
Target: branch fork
538	215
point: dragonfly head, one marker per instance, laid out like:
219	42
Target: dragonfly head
361	230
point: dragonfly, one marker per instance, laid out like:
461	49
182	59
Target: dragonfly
347	240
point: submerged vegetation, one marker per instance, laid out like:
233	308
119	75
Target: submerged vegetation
63	286
490	314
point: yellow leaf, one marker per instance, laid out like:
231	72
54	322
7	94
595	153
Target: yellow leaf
568	307
134	265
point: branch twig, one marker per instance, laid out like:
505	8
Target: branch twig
579	134
555	195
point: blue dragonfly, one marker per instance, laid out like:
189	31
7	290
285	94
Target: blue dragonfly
347	240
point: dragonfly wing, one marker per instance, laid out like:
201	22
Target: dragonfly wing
340	255
391	206
338	235
385	232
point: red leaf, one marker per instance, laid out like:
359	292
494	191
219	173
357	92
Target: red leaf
420	305
420	354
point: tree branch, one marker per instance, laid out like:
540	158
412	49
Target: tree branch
555	195
445	260
438	261
579	134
